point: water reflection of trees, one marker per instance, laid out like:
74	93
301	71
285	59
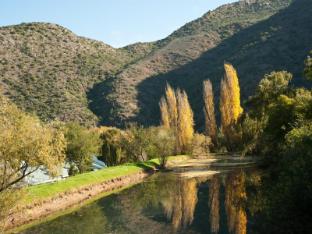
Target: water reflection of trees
235	200
181	198
180	205
164	198
214	204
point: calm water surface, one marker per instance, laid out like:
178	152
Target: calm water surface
168	203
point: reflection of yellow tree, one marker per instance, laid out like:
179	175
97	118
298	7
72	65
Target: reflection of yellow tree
235	197
180	205
214	204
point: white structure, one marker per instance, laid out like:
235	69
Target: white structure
42	176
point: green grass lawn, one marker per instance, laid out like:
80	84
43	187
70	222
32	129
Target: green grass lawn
41	192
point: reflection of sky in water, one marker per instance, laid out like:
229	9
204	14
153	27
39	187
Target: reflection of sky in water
164	203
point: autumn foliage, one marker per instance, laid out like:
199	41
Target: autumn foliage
209	111
230	106
177	115
185	126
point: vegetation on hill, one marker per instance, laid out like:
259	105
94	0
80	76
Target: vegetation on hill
48	70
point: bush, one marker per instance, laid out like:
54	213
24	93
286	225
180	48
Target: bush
200	145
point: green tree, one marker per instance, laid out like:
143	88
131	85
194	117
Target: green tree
162	144
308	68
112	151
82	145
269	89
135	142
26	144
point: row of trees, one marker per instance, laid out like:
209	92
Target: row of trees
27	144
135	144
230	109
177	115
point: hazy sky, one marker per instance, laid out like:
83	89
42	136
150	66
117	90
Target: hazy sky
116	22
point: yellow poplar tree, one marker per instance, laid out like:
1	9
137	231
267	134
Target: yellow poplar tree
164	112
177	114
185	127
231	79
230	106
210	119
225	106
172	107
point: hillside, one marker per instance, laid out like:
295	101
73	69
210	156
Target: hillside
48	70
135	92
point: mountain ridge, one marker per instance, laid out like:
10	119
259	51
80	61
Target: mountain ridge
89	81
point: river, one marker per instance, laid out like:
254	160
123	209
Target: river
180	201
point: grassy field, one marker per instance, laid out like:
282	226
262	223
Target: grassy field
41	192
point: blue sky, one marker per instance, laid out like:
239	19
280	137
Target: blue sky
116	22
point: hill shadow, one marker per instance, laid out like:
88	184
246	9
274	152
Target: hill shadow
280	42
101	106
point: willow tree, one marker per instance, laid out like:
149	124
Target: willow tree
25	145
209	111
230	105
185	126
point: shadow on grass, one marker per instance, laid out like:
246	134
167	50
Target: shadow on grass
148	166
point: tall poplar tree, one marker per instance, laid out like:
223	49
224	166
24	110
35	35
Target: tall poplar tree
230	106
177	114
172	107
231	78
185	127
209	111
164	112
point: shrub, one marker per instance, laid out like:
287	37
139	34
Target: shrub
200	145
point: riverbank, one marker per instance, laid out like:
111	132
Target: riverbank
44	201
